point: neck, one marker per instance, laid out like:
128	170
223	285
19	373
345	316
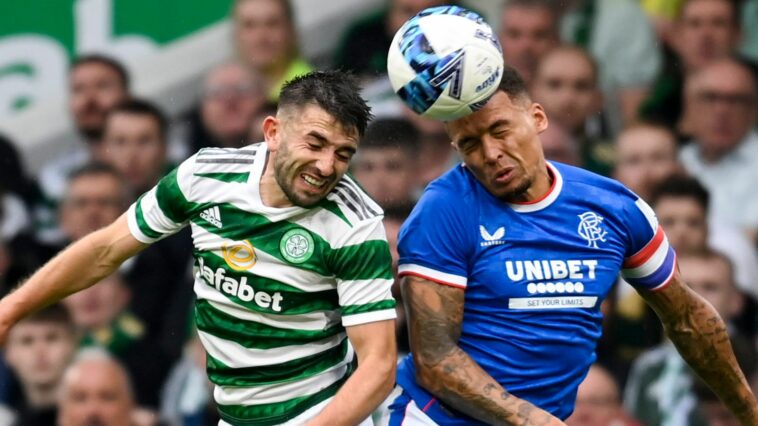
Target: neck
271	193
41	396
543	182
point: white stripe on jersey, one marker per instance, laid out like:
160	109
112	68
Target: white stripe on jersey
234	355
411	269
652	263
279	392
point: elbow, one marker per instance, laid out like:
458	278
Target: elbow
426	375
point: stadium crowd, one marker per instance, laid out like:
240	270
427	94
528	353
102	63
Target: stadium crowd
660	95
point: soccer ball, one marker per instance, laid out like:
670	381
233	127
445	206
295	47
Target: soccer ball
445	62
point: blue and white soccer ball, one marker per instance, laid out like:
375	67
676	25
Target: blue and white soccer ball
445	62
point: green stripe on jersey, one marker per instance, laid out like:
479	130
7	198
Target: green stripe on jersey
172	200
335	209
368	260
277	412
292	300
226	177
368	307
251	334
286	372
375	260
143	226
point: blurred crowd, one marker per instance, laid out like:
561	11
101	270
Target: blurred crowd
661	95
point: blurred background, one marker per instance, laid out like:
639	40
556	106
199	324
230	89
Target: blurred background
101	98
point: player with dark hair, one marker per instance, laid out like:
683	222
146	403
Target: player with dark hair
506	260
293	270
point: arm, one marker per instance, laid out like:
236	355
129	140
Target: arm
371	382
700	336
435	314
77	267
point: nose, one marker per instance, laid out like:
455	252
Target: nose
325	164
490	150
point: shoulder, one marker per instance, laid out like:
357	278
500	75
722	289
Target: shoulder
456	182
351	203
580	181
245	155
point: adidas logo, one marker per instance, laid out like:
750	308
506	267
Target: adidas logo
491	239
212	215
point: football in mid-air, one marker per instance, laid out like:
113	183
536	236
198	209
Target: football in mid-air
445	62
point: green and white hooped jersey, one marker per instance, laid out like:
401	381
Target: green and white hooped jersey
275	286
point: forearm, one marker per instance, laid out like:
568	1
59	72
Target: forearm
458	381
77	267
702	340
360	395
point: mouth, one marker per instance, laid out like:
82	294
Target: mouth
313	181
505	175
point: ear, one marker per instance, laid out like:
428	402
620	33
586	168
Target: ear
272	129
539	116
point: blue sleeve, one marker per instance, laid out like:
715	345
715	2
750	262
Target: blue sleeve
435	241
649	261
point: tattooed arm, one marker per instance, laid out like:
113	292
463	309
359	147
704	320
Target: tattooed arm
435	313
700	335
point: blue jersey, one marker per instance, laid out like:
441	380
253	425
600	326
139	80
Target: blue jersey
534	276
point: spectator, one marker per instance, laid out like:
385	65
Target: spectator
681	205
231	98
528	30
134	143
96	84
566	85
598	402
435	154
659	390
703	32
364	46
559	145
386	164
266	42
38	350
645	156
161	293
723	97
620	38
95	391
99	315
187	396
95	197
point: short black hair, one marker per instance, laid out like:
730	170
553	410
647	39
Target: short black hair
55	313
513	84
336	92
142	107
392	133
680	186
98	169
113	64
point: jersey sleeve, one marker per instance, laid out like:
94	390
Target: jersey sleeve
165	209
362	266
433	241
650	260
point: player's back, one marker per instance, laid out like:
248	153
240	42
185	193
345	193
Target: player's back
534	276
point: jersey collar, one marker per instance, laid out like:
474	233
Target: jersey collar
547	199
